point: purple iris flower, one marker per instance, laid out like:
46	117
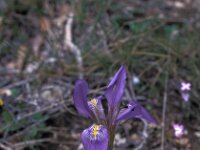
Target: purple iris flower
100	135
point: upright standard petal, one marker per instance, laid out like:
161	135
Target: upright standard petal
80	98
135	110
95	138
115	88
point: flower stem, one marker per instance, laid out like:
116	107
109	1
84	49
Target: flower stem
111	138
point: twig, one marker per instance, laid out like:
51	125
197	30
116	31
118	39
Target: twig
144	134
5	71
22	82
3	147
32	142
69	44
127	94
31	114
164	114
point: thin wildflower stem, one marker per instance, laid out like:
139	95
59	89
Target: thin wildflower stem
111	138
164	113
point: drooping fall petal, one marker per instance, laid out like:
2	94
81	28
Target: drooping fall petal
95	138
80	98
135	110
115	88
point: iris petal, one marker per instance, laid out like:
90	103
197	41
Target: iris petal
95	138
80	98
135	110
96	106
115	88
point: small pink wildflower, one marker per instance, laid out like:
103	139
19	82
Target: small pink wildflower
178	130
185	96
185	86
185	89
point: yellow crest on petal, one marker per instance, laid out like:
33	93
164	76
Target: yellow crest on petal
1	102
94	102
95	131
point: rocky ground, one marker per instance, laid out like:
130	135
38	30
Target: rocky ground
45	46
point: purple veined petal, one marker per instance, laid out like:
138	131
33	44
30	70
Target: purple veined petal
96	106
80	98
115	88
95	138
135	110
